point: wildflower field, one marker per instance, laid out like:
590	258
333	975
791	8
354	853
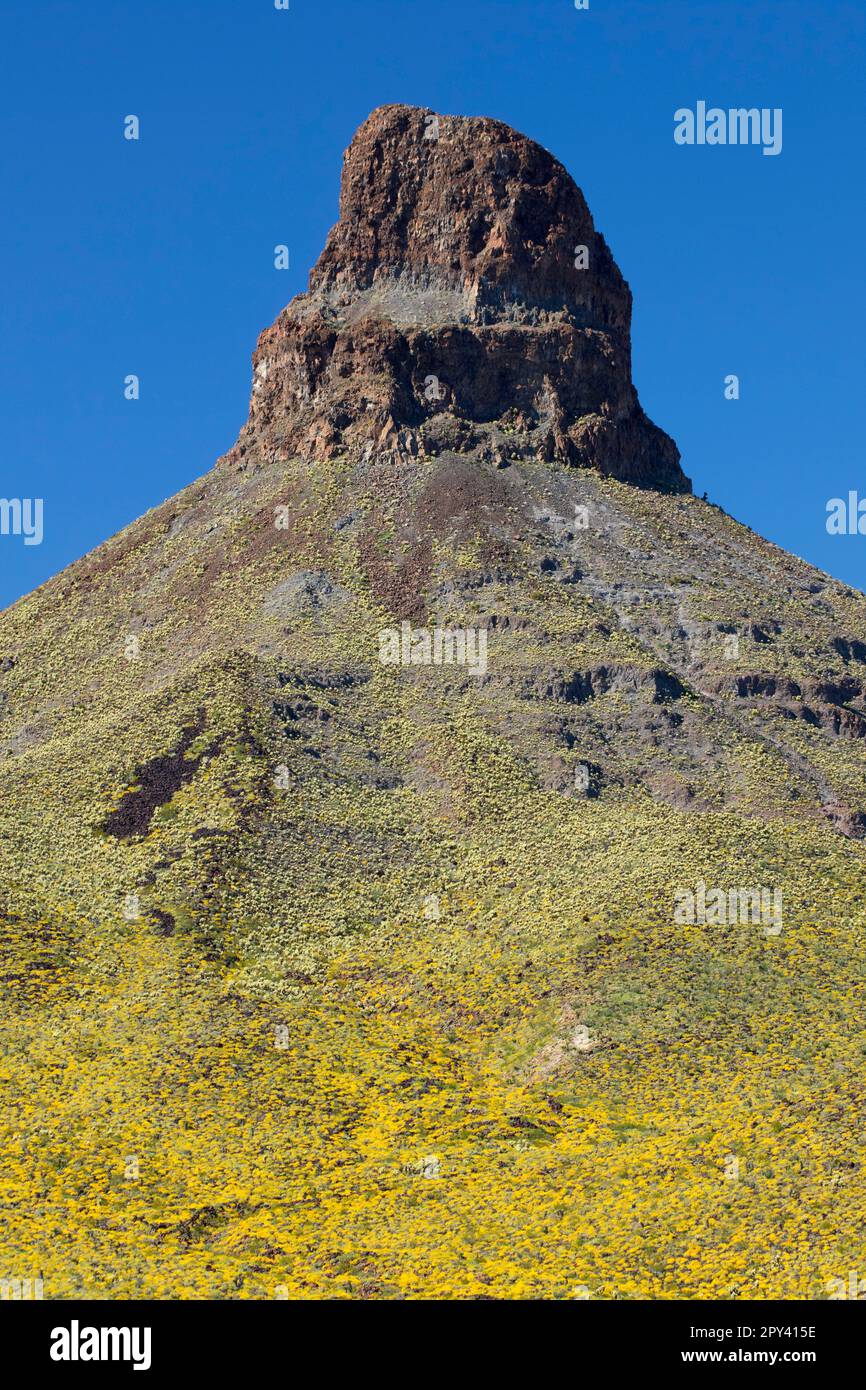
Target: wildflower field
321	980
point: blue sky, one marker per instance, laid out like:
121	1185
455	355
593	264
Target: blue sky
156	257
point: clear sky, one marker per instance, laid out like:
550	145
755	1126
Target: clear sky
156	257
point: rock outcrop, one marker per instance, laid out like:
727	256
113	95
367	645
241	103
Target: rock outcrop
463	302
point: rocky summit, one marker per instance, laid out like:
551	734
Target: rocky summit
463	299
432	843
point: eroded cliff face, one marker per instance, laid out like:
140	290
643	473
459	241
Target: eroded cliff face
464	301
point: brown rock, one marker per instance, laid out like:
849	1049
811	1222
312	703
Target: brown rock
448	293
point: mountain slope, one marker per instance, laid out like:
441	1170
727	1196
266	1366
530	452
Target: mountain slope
331	976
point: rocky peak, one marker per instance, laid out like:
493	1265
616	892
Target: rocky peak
463	302
469	210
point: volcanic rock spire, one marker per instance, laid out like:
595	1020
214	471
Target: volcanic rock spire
463	302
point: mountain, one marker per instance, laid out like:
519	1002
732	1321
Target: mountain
432	842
